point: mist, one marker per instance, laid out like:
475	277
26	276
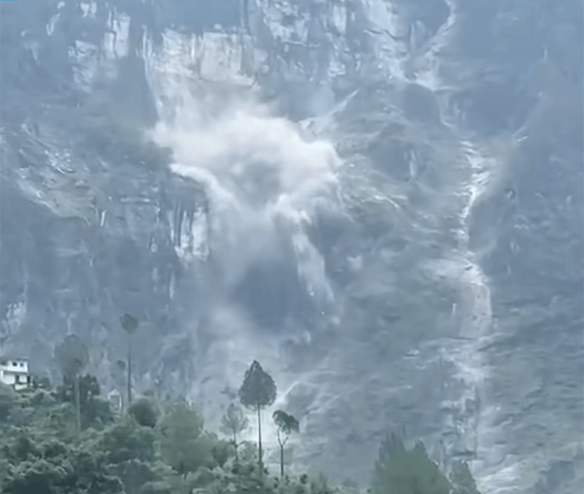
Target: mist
264	182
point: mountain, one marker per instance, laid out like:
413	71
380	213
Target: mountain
380	200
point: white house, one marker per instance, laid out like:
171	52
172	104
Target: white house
14	372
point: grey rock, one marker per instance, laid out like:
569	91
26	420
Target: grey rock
436	291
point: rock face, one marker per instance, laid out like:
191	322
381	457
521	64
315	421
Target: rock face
379	200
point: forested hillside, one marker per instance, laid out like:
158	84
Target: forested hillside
67	439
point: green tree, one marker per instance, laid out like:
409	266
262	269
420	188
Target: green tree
286	425
130	450
144	412
402	471
72	357
8	402
130	324
257	391
167	481
462	479
233	423
220	451
182	442
126	440
94	411
33	465
41	382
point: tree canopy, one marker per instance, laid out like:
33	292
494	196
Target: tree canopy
144	412
72	355
183	444
286	425
234	421
40	452
406	471
129	323
258	389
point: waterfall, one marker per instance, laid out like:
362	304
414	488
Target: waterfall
472	312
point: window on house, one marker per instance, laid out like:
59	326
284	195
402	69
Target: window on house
14	364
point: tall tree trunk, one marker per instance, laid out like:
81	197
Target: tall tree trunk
281	454
235	446
129	383
77	403
261	465
282	460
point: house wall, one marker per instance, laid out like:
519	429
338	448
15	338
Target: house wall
7	378
15	365
19	380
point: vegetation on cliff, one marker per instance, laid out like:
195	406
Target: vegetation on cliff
67	440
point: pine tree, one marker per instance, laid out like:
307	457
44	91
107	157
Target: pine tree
462	479
257	391
402	471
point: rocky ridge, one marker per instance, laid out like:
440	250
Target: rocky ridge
448	256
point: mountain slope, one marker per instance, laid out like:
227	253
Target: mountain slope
381	201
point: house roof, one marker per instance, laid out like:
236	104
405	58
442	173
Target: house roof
12	357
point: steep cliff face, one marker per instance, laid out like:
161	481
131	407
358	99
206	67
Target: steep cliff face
379	200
